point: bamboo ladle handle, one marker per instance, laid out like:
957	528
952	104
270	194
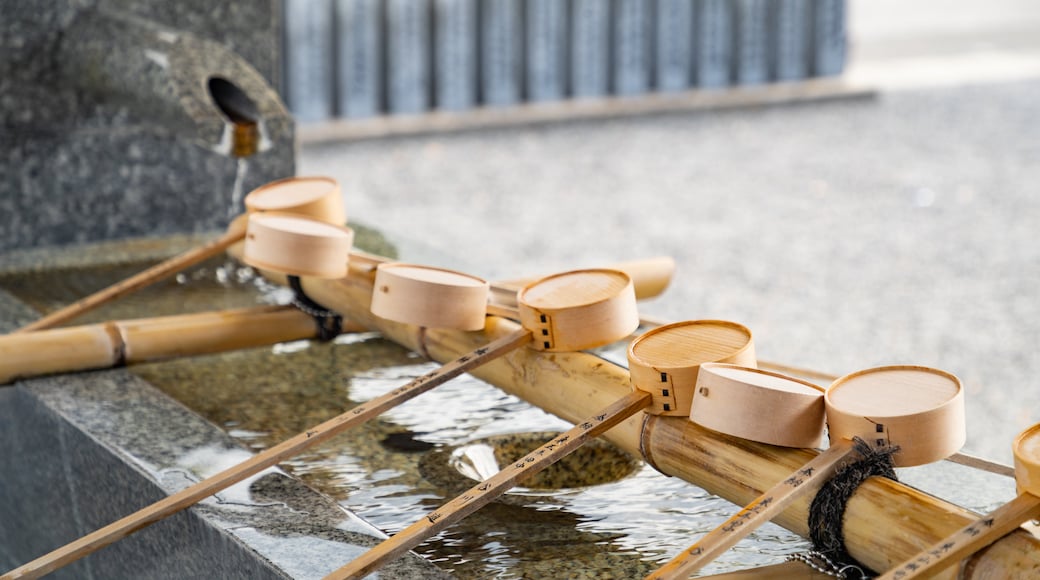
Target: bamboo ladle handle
192	495
318	198
969	539
137	281
807	479
790	570
481	494
988	528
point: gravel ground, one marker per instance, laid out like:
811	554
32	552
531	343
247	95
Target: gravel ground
846	235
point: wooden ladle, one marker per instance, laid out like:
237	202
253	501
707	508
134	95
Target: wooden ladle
316	197
918	410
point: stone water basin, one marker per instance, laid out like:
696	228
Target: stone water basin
601	514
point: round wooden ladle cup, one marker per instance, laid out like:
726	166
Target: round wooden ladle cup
297	246
316	197
917	410
665	361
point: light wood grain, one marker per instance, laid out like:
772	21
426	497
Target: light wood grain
650	277
297	245
758	405
579	310
315	197
481	494
960	458
664	361
968	540
1027	460
431	297
927	388
984	531
919	409
784	571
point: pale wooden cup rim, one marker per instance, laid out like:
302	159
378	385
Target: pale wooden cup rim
326	246
1027	460
569	317
758	405
429	296
925	435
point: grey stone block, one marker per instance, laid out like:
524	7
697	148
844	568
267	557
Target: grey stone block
110	125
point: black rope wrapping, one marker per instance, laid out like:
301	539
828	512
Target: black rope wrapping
330	324
827	511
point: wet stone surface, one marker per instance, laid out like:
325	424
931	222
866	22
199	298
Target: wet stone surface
85	449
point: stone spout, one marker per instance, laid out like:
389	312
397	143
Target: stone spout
124	118
190	86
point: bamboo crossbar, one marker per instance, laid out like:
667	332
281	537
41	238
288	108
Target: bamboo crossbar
886	522
117	343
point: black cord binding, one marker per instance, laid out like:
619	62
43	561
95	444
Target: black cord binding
330	324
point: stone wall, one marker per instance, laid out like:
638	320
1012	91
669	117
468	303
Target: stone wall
107	125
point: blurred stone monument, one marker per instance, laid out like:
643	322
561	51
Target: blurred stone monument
126	118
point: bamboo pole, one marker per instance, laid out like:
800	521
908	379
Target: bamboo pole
28	354
117	343
886	522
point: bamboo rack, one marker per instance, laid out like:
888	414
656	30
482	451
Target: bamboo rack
570	385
